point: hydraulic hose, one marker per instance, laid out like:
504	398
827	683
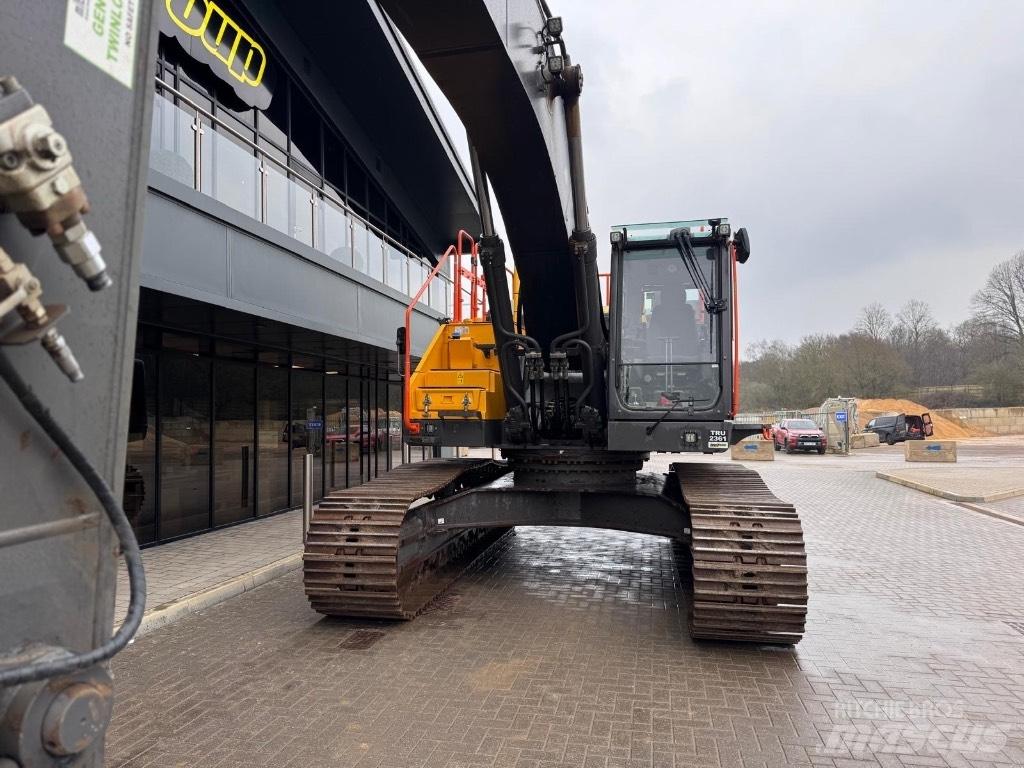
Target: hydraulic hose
118	520
580	279
581	398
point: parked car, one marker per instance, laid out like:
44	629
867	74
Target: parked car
890	429
799	435
897	427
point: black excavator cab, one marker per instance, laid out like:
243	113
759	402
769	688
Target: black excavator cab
673	378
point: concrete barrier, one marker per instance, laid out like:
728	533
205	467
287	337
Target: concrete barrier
864	440
753	449
930	450
998	421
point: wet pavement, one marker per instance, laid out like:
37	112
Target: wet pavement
568	647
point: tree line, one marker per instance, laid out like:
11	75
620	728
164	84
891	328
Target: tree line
979	361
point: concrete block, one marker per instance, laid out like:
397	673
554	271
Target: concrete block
753	449
930	450
864	440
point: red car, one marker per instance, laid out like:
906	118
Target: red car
799	435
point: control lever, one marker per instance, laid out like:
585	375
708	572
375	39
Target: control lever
39	184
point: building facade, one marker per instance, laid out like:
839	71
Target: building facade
301	188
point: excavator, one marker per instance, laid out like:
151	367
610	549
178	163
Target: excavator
575	398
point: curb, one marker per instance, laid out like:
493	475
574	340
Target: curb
992	513
998	496
167	613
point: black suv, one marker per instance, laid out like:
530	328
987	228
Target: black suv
890	429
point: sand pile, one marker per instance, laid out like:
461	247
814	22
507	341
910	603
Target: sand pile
945	429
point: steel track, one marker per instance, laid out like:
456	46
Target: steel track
367	553
749	566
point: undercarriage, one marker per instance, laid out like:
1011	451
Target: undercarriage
387	548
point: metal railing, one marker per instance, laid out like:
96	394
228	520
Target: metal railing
252	180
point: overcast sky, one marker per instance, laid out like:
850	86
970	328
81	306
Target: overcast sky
874	150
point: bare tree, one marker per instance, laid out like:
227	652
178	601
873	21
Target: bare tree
874	322
1000	303
914	322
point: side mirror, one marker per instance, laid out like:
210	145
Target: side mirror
742	243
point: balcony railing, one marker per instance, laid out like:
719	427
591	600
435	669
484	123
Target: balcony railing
195	147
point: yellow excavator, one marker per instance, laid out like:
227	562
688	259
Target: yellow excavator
576	398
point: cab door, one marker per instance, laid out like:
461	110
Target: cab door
926	421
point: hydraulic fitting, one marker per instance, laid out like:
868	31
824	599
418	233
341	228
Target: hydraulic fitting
39	184
20	291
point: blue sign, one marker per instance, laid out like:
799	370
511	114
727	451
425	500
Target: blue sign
314	424
840	416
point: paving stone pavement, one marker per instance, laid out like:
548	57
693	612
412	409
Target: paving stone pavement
568	647
191	565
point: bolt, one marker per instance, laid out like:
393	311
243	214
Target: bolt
60	185
10	161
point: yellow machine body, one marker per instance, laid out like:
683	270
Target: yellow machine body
455	394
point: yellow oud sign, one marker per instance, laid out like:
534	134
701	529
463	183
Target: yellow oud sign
222	37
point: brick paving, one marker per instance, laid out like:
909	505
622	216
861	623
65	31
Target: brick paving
567	647
185	567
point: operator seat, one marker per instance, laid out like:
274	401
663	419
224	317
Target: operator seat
672	318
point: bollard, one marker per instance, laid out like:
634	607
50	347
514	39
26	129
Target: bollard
307	494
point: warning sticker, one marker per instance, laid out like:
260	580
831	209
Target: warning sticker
104	33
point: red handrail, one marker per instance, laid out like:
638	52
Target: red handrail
407	361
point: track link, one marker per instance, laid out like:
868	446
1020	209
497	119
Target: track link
749	566
368	553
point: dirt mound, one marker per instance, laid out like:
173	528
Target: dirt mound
945	429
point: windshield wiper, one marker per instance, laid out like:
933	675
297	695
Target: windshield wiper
681	237
676	400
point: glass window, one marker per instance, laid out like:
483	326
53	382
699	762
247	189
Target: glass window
360	246
356	180
278	189
439	289
398	273
234	177
336	232
395	452
305	127
307	406
140	469
234	446
420	272
184	444
334	160
668	339
377	206
375	257
337	447
356	437
273	438
172	141
301	207
272	123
